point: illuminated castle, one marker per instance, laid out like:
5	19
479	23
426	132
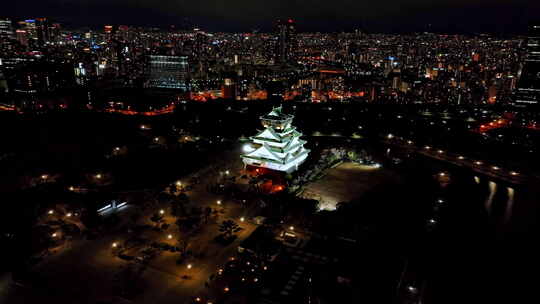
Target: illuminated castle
278	146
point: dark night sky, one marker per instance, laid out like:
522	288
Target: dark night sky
505	16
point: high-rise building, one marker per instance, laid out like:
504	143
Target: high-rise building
168	72
278	147
29	26
42	31
6	29
22	37
286	42
528	86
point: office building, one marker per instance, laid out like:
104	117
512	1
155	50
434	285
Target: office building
528	86
167	72
286	42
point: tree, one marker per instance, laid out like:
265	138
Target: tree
183	243
156	218
228	228
207	213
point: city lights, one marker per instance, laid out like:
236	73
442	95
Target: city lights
134	150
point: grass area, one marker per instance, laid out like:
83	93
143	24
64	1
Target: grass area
344	183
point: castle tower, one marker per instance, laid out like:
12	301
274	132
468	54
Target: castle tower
277	147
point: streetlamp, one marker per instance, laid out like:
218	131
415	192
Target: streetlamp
242	219
99	176
161	211
114	245
412	289
189	266
68	214
44	177
291	228
51	211
169	236
218	202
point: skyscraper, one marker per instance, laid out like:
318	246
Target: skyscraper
528	87
6	30
22	37
286	43
42	31
168	72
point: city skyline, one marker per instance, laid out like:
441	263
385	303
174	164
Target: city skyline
218	152
243	16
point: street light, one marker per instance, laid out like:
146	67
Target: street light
169	236
442	174
99	176
69	214
218	202
412	289
514	173
114	245
242	219
227	172
44	176
478	163
179	184
390	136
161	211
54	234
291	228
189	266
461	157
51	211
